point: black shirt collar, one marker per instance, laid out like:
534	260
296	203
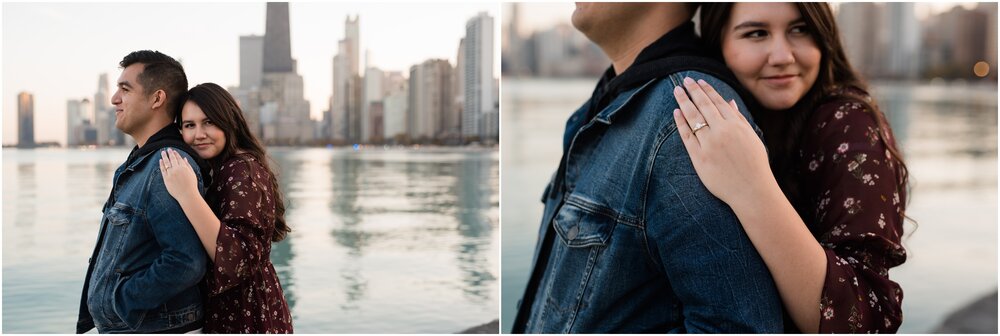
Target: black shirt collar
678	41
168	133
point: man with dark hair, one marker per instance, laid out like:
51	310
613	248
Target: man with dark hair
160	71
145	270
631	241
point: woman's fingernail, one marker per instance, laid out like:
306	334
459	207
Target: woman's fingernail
702	82
688	80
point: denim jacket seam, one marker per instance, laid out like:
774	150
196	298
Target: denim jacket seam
690	214
645	190
582	289
602	210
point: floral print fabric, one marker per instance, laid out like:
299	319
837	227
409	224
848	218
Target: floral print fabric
851	188
244	293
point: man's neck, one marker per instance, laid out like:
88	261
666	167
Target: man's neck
142	136
623	49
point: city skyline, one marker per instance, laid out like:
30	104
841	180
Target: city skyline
902	41
211	53
542	16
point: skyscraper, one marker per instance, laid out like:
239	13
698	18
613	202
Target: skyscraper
345	106
251	79
77	121
284	113
277	39
103	117
394	109
478	74
251	61
372	94
903	40
430	98
453	119
25	120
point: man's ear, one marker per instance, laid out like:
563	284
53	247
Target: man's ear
159	99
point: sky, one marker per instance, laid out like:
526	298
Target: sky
57	51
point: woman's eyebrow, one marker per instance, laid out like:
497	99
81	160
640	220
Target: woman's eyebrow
750	24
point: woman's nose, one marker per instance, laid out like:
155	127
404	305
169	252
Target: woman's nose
781	52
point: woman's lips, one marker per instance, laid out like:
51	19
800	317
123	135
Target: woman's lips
782	80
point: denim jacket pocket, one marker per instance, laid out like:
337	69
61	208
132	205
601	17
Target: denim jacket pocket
120	214
580	227
131	318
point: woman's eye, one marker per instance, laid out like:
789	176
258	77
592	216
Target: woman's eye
209	122
800	30
188	126
755	34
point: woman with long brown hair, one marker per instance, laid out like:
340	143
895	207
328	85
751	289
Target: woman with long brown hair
244	213
826	211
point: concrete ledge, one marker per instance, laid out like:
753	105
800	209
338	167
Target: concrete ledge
488	328
980	317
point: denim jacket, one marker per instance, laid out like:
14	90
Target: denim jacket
637	244
145	272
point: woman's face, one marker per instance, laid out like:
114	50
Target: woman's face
200	132
770	50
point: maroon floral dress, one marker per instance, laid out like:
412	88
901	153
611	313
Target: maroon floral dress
244	295
851	188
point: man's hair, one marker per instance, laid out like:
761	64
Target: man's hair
161	72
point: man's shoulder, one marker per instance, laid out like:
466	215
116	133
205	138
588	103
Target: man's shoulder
659	97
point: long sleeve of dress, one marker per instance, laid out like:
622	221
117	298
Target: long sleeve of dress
246	213
245	295
852	191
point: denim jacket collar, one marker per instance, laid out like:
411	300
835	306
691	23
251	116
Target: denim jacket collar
608	113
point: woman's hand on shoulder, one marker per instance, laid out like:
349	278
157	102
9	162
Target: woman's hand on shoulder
727	154
178	175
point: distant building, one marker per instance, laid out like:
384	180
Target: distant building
477	74
277	55
25	120
452	133
281	93
373	91
103	117
902	41
989	9
345	103
247	94
376	115
78	125
429	99
859	23
394	112
954	41
251	61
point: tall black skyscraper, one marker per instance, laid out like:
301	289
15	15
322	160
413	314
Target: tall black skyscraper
277	39
25	119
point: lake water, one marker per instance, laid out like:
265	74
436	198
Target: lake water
949	138
383	241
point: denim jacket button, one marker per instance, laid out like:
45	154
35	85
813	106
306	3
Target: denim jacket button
190	316
573	232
